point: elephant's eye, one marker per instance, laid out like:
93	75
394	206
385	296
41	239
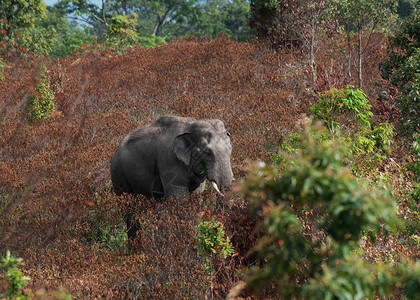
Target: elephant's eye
228	133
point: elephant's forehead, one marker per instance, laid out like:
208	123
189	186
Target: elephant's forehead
213	124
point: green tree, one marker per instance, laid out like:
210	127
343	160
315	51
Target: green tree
18	14
314	213
15	280
163	18
405	8
17	27
402	69
94	17
41	105
347	115
360	16
169	12
69	35
278	21
290	23
122	28
223	17
211	239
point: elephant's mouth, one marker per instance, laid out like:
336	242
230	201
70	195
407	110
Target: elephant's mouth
216	187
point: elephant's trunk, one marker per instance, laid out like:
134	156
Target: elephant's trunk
221	175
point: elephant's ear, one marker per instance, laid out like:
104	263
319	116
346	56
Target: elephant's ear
182	148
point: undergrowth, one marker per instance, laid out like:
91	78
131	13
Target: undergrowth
58	211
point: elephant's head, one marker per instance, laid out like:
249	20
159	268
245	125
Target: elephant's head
204	147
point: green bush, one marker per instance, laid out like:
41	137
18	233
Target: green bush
402	68
315	212
2	67
13	276
347	115
121	29
340	108
412	206
151	41
41	104
410	102
210	237
106	227
15	282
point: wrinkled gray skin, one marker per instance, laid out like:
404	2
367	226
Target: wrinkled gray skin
171	157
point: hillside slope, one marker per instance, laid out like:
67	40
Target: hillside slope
57	203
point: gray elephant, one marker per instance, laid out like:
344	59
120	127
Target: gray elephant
171	157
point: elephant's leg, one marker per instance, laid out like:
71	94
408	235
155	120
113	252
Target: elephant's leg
132	224
131	220
128	210
175	185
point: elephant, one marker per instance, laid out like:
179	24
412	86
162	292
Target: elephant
171	157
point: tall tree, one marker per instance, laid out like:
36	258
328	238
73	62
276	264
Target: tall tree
166	12
360	17
85	11
70	36
278	21
222	16
289	24
18	14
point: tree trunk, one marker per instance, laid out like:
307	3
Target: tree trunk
160	21
311	52
359	71
348	54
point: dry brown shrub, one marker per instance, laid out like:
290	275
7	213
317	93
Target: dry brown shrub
54	175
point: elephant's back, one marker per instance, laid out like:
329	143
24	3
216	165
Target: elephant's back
145	134
172	122
165	125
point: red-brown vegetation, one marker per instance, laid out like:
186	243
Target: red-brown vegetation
55	189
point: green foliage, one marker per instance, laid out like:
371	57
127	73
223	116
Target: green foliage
151	41
347	115
359	279
223	17
112	237
107	229
16	15
291	144
122	34
263	17
18	30
210	236
403	44
414	166
315	211
410	102
360	16
401	68
37	40
412	207
122	28
15	280
355	15
41	104
2	67
88	13
348	104
70	36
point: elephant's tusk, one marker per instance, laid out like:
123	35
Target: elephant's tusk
214	184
